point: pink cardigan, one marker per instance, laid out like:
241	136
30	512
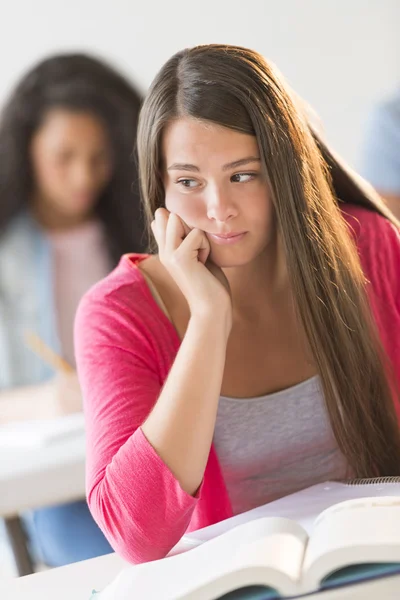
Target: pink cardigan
125	347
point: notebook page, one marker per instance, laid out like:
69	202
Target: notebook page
303	506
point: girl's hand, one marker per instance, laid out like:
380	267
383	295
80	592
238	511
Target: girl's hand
184	252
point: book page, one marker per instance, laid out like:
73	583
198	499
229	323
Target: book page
365	530
303	506
264	552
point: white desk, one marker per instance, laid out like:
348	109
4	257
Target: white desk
73	582
58	476
76	582
42	476
37	477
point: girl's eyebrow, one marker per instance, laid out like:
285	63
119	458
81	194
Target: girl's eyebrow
231	165
240	162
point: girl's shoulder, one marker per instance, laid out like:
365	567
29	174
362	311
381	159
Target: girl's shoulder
122	308
378	244
23	251
124	288
22	229
118	320
365	221
376	237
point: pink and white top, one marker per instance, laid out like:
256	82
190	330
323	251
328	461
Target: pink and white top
80	259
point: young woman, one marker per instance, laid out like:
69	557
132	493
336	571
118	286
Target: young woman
258	353
67	213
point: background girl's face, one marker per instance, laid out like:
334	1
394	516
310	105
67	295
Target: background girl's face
214	181
71	162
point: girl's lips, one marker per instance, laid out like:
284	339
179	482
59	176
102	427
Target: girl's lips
227	238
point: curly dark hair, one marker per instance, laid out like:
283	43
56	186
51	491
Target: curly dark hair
76	82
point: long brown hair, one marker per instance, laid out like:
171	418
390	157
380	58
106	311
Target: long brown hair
235	87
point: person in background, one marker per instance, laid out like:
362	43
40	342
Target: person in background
69	209
380	160
250	358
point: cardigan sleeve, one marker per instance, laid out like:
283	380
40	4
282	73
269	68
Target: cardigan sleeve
133	496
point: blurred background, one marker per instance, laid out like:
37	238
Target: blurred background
342	57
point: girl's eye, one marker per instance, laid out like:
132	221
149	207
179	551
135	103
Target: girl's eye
188	183
243	177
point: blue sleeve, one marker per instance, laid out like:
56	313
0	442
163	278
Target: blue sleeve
381	152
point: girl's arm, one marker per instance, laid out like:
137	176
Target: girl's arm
181	425
148	440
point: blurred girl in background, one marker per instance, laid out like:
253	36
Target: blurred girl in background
69	209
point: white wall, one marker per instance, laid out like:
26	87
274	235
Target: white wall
338	54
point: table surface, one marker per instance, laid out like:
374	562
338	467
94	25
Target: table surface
56	473
34	477
76	582
73	582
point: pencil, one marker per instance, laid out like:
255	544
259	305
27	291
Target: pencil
38	346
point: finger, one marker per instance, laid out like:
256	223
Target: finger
175	233
159	227
196	242
153	228
186	227
158	236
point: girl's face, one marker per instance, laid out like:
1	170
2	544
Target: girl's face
214	181
72	164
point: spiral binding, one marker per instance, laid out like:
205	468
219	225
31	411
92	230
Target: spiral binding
372	481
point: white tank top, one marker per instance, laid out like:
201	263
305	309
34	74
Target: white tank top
275	445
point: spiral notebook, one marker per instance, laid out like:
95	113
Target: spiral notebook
305	505
329	535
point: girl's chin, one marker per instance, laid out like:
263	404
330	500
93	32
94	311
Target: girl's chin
226	260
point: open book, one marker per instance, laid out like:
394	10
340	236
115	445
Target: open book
274	557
